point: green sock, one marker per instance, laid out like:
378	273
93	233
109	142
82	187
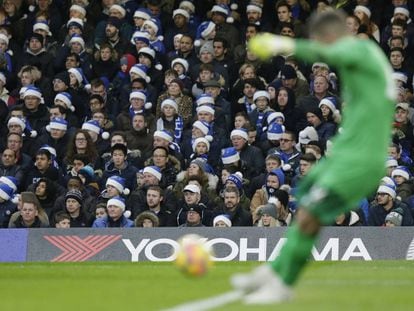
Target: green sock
293	255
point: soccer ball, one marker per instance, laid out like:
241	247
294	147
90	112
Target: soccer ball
193	256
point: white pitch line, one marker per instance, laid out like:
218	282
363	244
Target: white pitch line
209	303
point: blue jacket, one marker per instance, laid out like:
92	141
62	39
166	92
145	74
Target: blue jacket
104	223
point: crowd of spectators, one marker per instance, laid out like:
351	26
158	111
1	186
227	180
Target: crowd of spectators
129	113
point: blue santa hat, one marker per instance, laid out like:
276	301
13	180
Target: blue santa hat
225	10
10	181
237	179
155	24
42	25
65	98
140	70
275	131
153	170
391	162
24	124
240	132
401	171
140	95
206	108
204	98
229	155
142	36
388	189
77	38
74	21
273	116
331	103
31	90
57	124
79	75
203	30
6	192
205	128
280	175
93	126
201	140
143	13
117	201
118	183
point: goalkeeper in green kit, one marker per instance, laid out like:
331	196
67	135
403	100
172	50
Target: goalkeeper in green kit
357	158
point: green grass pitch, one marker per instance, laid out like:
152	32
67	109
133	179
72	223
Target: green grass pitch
353	285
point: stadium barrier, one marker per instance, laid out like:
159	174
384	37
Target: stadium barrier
229	244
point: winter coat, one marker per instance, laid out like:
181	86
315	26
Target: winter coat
105	222
208	191
377	214
405	190
141	140
18	223
239	217
7	208
260	197
254	157
169	173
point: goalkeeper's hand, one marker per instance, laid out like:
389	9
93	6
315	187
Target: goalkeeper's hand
268	45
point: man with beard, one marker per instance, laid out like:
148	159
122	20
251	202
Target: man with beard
139	137
232	208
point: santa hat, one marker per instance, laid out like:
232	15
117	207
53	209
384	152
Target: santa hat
169	102
6	192
330	102
155	24
66	98
153	170
79	75
252	7
204	99
74	21
78	8
399	76
258	94
200	140
229	155
401	171
57	124
222	218
140	36
273	116
143	13
117	7
388	189
180	61
275	131
24	124
391	162
17	121
205	128
239	132
140	70
10	181
308	134
225	10
116	201
203	30
364	9
164	134
33	91
42	26
205	108
93	126
181	12
77	38
187	5
402	10
118	183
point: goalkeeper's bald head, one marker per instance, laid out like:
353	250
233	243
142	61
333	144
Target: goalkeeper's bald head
327	26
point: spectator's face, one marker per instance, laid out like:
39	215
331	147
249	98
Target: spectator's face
40	190
100	117
261	103
392	152
397	30
57	134
193	217
186	44
231	199
401	115
76	47
28	212
253	16
383	198
99	90
150	179
272	181
180	21
63	224
147	223
325	110
3	46
8	158
137	103
248	73
153	198
352	25
239	122
250	32
115	212
282	98
313	119
249	90
138	122
396	58
205	75
287	31
42	162
71	62
15	128
80	141
238	142
43	4
31	102
26	78
160	158
105	54
286	142
160	142
112	191
218	18
59	85
117	139
179	68
205	116
304	167
174	89
118	157
100	212
201	148
14	142
74	30
191	197
219	49
213	91
55	112
206	57
271	164
72	205
77	165
193	170
320	85
283	14
154	9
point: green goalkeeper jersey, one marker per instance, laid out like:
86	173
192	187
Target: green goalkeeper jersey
356	161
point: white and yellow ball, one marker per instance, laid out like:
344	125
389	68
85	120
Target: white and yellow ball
194	257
